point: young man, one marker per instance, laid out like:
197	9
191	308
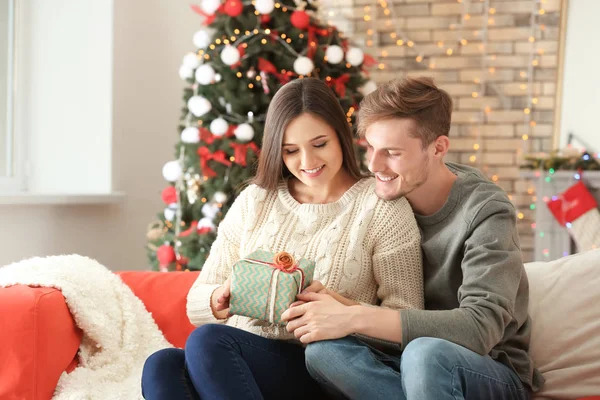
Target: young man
472	339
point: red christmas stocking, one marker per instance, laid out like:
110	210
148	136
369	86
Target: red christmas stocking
577	209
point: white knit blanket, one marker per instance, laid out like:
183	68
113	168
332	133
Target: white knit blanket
118	332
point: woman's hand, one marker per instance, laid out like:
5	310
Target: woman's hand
220	300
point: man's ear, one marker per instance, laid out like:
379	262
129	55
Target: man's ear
441	146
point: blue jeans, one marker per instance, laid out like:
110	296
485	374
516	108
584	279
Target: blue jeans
221	362
427	369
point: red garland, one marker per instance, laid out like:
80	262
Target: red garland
169	195
241	151
313	31
206	156
339	84
210	18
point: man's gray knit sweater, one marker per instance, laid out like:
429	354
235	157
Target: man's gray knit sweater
476	289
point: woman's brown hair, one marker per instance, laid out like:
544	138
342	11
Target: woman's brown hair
300	96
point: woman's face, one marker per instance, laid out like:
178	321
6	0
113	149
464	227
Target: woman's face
311	150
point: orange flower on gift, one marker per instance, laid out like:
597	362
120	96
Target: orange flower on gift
285	260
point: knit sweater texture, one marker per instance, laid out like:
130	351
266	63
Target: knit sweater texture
365	249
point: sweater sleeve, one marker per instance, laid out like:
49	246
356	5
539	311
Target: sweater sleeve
397	259
492	269
224	252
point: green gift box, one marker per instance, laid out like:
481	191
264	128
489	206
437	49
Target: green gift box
263	289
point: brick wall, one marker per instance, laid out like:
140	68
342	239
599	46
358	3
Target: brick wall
489	84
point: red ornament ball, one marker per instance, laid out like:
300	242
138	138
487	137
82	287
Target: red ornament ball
169	195
265	19
165	255
233	8
300	19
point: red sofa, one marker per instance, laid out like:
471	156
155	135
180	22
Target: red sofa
39	339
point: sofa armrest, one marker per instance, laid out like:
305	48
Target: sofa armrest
38	341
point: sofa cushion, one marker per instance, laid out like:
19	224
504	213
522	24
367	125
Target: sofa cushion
564	306
165	297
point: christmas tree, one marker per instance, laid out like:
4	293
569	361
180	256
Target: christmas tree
245	52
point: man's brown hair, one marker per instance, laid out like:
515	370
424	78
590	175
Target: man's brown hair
300	96
415	98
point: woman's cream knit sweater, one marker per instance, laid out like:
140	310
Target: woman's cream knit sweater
365	248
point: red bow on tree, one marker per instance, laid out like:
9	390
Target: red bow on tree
206	156
339	84
368	62
242	50
313	31
194	227
206	136
269	68
209	18
231	131
241	151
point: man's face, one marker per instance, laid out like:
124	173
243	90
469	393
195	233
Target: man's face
397	159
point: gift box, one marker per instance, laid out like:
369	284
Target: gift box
264	284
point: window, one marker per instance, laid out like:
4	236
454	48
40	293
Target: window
11	168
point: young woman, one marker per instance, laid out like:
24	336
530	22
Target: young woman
308	198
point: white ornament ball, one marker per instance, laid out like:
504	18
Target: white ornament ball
367	88
264	6
171	171
218	77
191	60
355	56
220	197
303	65
219	127
201	39
185	72
334	54
210	6
244	132
170	212
230	55
198	105
206	223
205	74
190	134
210	210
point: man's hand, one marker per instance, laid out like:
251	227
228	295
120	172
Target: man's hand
320	317
317	287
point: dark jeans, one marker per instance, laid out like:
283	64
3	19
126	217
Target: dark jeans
221	362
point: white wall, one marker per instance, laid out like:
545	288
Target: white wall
150	39
581	85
